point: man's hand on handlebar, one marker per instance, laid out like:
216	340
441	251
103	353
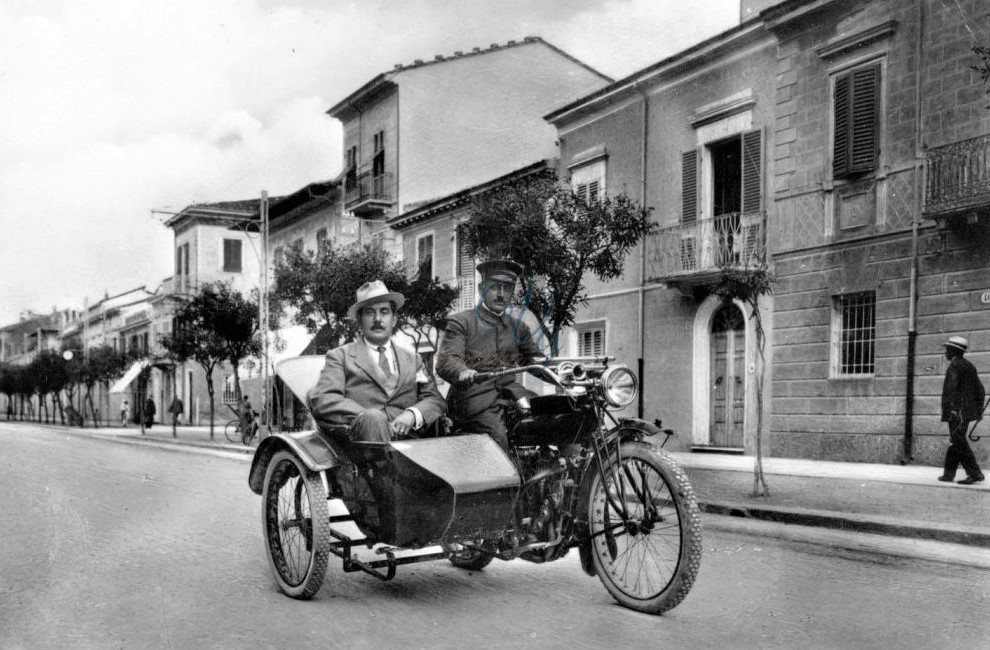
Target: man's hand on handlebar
466	376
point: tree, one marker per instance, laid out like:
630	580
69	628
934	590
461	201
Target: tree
103	365
321	286
748	285
428	303
196	336
8	386
983	67
558	236
50	377
235	319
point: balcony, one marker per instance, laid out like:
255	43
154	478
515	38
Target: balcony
694	253
958	179
367	195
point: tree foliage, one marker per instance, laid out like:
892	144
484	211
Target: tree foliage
983	67
202	327
558	236
321	286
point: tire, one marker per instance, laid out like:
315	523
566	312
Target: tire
471	560
650	560
296	525
232	430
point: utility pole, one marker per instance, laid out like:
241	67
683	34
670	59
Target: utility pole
263	316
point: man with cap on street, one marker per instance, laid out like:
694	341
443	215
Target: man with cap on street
377	389
962	403
485	338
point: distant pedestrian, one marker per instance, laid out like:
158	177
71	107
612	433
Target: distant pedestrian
125	412
176	410
149	412
962	403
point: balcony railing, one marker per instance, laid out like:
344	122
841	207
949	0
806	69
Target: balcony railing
367	194
698	250
958	178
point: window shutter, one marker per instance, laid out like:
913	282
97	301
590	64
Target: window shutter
840	148
865	117
752	171
689	186
592	191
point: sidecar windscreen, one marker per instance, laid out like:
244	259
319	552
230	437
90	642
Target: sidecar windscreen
451	489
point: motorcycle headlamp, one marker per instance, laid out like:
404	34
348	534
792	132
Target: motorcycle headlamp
619	386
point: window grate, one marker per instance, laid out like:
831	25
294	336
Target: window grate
857	334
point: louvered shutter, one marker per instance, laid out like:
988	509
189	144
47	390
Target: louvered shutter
752	171
865	119
592	191
689	186
856	146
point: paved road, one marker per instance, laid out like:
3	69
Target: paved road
115	546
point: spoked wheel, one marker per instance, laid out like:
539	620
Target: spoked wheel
232	430
296	524
645	530
471	559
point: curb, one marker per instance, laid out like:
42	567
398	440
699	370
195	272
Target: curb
851	522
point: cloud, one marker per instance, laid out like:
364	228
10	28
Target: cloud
113	108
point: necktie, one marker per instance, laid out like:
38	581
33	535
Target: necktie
383	362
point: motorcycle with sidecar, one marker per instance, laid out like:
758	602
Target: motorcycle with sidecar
575	475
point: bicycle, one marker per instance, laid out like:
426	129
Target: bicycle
234	432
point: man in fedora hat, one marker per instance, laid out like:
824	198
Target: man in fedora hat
488	337
379	390
962	403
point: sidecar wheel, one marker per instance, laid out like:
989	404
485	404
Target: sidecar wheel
647	558
295	519
471	560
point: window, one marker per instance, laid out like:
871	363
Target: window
229	396
854	334
232	255
378	162
856	113
424	252
321	239
182	266
464	270
279	256
591	339
588	181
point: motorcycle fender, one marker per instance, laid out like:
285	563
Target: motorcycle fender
309	446
635	429
584	552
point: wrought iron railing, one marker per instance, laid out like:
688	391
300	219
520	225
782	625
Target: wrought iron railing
366	188
736	240
958	177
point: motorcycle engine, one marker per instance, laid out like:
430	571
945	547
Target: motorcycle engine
544	522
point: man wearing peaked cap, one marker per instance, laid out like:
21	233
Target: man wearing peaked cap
962	403
481	339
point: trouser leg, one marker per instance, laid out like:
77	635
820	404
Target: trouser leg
371	426
963	451
489	421
374	426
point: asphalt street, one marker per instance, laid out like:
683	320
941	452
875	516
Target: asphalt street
108	545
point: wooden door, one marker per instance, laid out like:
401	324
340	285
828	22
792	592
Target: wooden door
728	389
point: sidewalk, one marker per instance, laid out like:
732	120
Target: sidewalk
899	500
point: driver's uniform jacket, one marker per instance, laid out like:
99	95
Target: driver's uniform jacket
350	383
476	338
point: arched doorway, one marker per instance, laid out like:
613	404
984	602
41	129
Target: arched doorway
727	399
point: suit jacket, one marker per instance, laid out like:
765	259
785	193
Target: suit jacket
470	342
962	391
349	384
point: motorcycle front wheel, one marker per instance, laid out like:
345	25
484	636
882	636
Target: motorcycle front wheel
296	524
645	529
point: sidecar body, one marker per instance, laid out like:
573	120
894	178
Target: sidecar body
437	491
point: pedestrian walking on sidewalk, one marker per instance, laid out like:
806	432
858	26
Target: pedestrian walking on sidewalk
149	413
962	403
176	410
125	412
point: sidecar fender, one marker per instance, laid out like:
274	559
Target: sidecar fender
311	448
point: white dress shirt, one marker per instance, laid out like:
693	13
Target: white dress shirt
393	366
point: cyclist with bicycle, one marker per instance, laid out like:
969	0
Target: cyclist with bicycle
249	425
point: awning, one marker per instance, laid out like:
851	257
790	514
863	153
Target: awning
292	341
132	373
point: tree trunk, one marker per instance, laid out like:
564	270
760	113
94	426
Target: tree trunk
209	389
759	478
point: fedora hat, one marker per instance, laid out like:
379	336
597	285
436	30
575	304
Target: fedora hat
499	269
957	342
371	292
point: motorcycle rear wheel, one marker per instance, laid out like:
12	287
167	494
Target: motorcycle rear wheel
296	524
647	558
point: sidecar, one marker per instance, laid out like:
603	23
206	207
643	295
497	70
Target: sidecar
374	505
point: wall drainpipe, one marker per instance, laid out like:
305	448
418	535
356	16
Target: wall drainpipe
641	363
919	169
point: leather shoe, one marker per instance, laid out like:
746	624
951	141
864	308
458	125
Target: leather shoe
946	479
969	480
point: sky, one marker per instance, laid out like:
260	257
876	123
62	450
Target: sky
110	109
